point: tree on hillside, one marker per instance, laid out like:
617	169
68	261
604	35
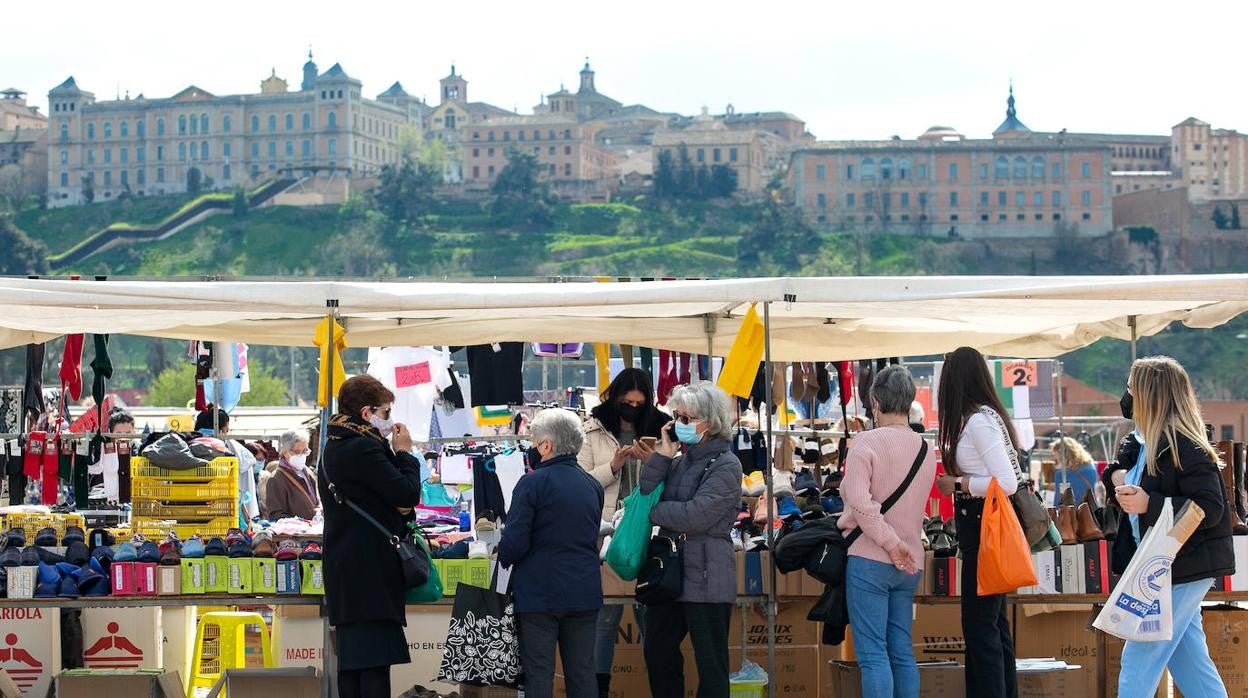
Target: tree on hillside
1220	220
521	197
723	181
405	191
15	187
360	252
779	239
679	178
665	176
88	188
175	387
1235	216
194	181
21	254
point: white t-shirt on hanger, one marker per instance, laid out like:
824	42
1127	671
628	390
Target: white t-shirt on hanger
416	375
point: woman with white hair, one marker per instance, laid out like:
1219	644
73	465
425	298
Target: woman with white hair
551	542
291	489
701	498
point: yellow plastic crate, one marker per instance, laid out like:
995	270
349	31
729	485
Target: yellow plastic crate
185	510
32	523
218	468
219	488
157	528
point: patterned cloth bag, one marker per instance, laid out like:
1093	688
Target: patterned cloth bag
482	643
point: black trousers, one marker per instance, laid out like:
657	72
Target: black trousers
364	683
574	634
990	668
706	624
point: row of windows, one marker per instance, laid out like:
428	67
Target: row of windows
1020	199
552	170
954	218
196	125
520	135
489	152
200	151
1003	168
1123	151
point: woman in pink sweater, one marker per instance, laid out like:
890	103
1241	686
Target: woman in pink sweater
885	562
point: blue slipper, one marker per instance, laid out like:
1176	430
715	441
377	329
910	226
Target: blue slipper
148	552
77	553
30	556
193	547
216	547
126	553
10	557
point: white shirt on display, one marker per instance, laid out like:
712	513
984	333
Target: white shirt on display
416	376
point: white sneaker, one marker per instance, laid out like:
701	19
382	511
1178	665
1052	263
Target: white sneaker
606	543
478	550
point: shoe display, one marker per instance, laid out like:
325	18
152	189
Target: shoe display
484	524
102	536
781	483
737	545
77	553
193	547
1238	465
311	551
10	557
1227	451
92	579
67	587
287	550
1067	499
47	581
1086	529
810	506
73	534
30	556
216	547
126	552
234	535
148	551
602	552
46	537
804	482
786	508
15	538
241	548
1066	523
262	545
170	555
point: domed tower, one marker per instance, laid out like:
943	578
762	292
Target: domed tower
454	88
309	74
1011	127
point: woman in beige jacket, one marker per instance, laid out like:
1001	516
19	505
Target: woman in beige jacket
627	413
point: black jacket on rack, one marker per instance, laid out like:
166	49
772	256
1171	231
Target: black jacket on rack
1208	554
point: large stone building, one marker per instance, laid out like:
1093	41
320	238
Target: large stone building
100	149
1017	183
16	114
23	146
708	142
563	146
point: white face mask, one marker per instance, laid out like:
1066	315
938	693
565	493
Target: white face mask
385	426
298	460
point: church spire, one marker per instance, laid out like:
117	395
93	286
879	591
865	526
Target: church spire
1012	125
1010	111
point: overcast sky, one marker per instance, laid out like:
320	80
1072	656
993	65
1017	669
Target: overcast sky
849	69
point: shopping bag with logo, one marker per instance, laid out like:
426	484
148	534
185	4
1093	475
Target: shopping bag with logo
482	644
1004	556
1139	607
631	540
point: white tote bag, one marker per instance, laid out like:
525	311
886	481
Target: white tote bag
1139	608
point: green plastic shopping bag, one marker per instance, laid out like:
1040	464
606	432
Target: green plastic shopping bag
632	537
431	590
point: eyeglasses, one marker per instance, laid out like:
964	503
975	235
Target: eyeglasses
383	412
684	418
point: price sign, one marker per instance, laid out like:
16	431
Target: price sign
415	374
1018	374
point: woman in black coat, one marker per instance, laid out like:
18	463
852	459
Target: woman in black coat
1168	456
364	585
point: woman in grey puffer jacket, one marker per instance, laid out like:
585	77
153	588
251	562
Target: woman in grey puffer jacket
701	499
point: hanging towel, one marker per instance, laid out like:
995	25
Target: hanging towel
71	366
32	400
741	365
646	354
329	353
667	376
101	367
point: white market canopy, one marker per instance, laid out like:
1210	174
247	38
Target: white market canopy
811	318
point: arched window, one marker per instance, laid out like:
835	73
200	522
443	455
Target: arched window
1020	167
203	150
203	123
255	123
181	151
140	129
272	122
182	125
91	130
226	124
307	121
886	168
64	132
332	119
1037	167
123	128
1001	167
868	168
290	122
903	168
108	129
160	126
194	124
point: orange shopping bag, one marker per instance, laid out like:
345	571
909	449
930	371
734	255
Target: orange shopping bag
1004	556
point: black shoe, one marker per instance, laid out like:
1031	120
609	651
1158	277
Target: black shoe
77	553
101	537
15	538
73	534
46	537
10	557
30	557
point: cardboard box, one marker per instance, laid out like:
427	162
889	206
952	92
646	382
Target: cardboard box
238	575
1096	561
21	582
1239	582
470	691
266	683
1047	572
752	566
1061	635
299	637
938	680
1072	569
169	581
193	576
613	586
454	573
312	578
88	683
426	638
946	574
1045	684
215	577
124	578
123	638
477	573
263	575
287	578
30	646
936	633
1226	632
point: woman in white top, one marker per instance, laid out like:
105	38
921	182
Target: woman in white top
975	433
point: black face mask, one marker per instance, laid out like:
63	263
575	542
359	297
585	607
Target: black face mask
629	413
1126	402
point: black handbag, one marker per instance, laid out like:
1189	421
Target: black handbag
661	578
413	557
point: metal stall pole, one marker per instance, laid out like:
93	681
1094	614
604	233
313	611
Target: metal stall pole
1131	322
710	324
329	682
771	505
1061	410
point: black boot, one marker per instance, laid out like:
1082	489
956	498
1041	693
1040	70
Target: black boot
604	685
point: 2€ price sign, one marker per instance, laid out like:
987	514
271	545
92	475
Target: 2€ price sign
1017	374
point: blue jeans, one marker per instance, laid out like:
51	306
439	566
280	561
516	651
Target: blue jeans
881	599
1186	653
608	629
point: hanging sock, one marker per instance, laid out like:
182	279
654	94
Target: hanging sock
82	481
101	367
203	369
109	463
123	472
329	353
32	397
65	460
71	366
667	376
50	466
704	367
646	354
684	377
